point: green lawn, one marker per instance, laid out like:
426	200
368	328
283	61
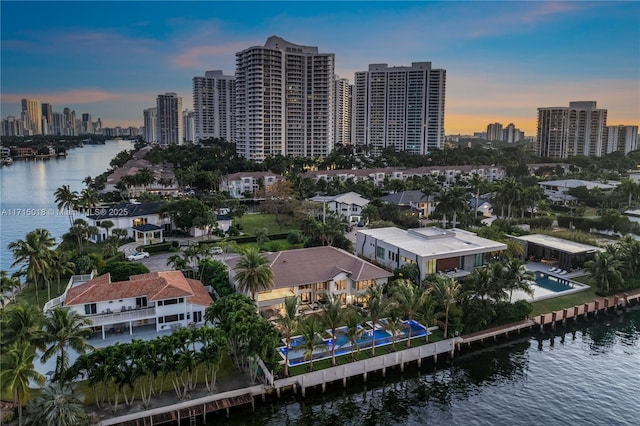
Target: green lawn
254	222
28	295
569	301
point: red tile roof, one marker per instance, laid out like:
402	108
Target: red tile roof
155	286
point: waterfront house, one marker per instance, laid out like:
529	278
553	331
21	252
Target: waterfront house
348	205
143	221
165	299
557	191
414	200
434	250
556	252
311	273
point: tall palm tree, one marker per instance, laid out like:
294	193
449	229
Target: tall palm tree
353	321
377	308
445	290
35	253
604	271
16	371
511	191
630	252
333	316
429	188
427	312
253	273
61	266
629	188
8	284
518	277
310	329
409	299
451	201
477	184
64	327
287	324
67	199
89	199
58	404
22	323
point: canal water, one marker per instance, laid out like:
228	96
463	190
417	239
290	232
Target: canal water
27	186
587	374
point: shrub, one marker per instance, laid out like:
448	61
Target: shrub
158	248
121	271
295	237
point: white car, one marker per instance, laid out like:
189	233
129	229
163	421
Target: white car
138	255
216	250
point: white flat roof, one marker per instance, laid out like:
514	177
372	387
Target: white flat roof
435	242
574	183
558	243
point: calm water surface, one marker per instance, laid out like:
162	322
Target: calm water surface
31	184
587	375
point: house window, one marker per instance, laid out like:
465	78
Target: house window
341	285
171	318
181	317
197	316
90	309
430	266
181	300
141	302
380	252
170	302
478	259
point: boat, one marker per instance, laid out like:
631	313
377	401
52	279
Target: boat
7	161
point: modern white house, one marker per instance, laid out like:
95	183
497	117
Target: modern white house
239	184
165	299
311	273
349	205
558	190
143	221
434	250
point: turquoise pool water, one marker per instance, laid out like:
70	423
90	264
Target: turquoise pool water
555	284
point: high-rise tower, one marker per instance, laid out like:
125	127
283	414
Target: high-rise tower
169	119
401	107
214	98
342	120
284	100
32	116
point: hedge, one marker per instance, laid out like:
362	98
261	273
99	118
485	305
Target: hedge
160	247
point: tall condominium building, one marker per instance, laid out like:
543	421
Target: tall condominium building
579	129
32	116
284	100
214	98
69	122
86	125
47	114
188	126
494	132
342	119
58	124
512	134
401	107
169	112
12	127
622	138
150	120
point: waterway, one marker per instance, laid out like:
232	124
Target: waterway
585	374
27	187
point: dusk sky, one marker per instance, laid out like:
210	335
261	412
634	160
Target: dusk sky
503	59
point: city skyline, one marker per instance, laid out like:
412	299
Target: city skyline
503	59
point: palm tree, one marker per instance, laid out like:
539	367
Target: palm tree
288	323
35	253
61	265
57	404
630	251
377	308
8	284
253	273
451	200
427	312
333	316
67	199
511	191
517	277
22	324
64	327
145	177
89	199
445	290
629	188
16	371
477	184
353	321
310	330
429	188
393	324
409	299
604	271
106	224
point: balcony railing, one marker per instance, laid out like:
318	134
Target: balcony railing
123	316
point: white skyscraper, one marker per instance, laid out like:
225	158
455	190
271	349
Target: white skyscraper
150	116
32	116
399	106
622	138
579	129
284	100
342	121
494	132
214	97
169	110
188	126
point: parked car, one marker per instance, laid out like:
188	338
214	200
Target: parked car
216	250
361	224
138	255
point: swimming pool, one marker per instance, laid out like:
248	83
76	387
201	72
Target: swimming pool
551	283
547	286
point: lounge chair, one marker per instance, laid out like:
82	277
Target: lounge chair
563	272
554	269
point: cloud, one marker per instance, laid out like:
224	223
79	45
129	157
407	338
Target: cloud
201	57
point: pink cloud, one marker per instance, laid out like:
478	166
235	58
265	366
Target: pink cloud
201	57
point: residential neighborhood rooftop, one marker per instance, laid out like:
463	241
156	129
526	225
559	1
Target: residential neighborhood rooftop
558	243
